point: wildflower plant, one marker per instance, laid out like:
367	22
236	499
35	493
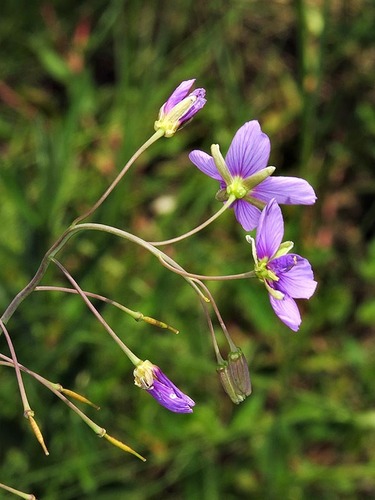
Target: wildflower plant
246	185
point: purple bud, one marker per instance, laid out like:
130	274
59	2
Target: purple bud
180	108
150	377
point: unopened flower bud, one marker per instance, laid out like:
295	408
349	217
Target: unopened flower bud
235	377
180	108
149	377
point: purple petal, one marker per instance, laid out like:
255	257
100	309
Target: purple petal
178	94
286	309
249	150
167	394
246	214
286	190
295	275
270	230
167	382
167	398
205	163
196	106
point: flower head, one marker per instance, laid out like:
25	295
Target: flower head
180	108
244	174
149	377
235	377
286	276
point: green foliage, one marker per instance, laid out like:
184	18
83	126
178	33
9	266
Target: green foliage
81	86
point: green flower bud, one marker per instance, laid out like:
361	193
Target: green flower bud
235	377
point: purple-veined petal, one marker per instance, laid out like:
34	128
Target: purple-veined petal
249	150
196	106
178	94
246	214
285	190
205	163
167	382
270	230
287	311
295	280
165	396
150	378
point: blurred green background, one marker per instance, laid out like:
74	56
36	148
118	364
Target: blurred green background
81	84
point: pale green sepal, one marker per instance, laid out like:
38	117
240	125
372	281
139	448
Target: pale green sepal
254	201
275	293
251	240
284	248
255	179
170	122
220	164
222	195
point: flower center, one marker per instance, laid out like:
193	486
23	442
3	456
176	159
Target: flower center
263	273
237	188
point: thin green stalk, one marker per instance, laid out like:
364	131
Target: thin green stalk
138	316
232	346
25	402
61	241
133	358
225	277
26	496
99	431
157	135
138	241
226	205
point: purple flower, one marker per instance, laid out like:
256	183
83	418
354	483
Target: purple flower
149	377
286	277
180	108
244	175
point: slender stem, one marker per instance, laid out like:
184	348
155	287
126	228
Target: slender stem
25	402
109	190
26	496
172	266
99	431
61	241
133	358
48	384
135	239
58	245
212	332
226	205
55	248
138	316
227	277
232	346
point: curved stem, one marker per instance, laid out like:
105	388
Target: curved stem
135	239
109	190
58	245
67	233
55	248
25	402
226	205
227	277
138	316
99	431
212	333
133	358
232	346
